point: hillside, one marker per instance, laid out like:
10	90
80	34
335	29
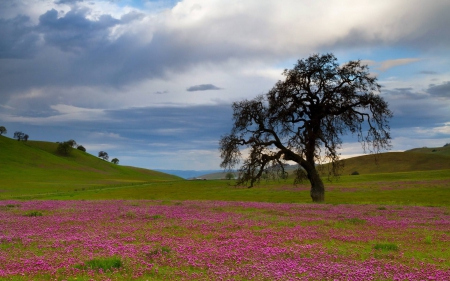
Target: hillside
35	165
418	159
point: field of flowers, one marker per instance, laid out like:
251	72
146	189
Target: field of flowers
216	240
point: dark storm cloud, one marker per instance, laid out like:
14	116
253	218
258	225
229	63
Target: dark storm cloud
17	38
202	87
74	31
196	127
442	90
419	109
173	124
68	1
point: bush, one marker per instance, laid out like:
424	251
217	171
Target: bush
80	147
355	173
33	214
101	263
64	148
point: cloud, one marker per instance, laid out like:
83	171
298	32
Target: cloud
17	38
202	87
442	91
74	31
385	65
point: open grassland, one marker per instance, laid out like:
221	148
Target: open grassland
383	224
34	167
218	240
425	188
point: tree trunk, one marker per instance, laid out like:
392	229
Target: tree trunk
317	187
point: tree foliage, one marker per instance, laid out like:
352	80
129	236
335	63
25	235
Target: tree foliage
80	147
302	119
72	143
20	136
64	148
3	130
229	176
103	155
115	161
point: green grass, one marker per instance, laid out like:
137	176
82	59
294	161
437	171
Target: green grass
104	264
33	170
34	167
386	247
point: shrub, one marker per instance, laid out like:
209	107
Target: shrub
355	173
64	148
101	263
33	214
386	247
356	221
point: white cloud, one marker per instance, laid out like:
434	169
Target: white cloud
385	65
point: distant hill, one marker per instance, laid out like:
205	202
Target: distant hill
418	159
188	174
35	164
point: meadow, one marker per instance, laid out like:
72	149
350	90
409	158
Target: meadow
82	218
219	240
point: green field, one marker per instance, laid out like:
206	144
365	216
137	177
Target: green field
33	170
35	167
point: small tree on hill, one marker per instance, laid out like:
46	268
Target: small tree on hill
25	137
229	176
19	135
115	161
103	155
302	119
64	148
72	143
3	130
80	147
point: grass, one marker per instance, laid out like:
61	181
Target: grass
386	247
105	264
34	167
33	170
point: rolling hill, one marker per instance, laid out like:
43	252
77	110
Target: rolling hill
418	159
36	165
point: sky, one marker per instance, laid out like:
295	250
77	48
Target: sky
152	82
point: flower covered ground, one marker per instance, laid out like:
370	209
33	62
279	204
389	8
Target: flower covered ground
216	240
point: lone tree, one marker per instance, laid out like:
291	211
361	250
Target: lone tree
302	119
103	155
229	176
3	130
19	136
115	161
64	148
72	143
80	147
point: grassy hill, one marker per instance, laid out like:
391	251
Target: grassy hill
34	165
418	159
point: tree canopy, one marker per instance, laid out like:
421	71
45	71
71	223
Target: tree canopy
3	130
64	148
115	161
20	136
103	155
302	119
